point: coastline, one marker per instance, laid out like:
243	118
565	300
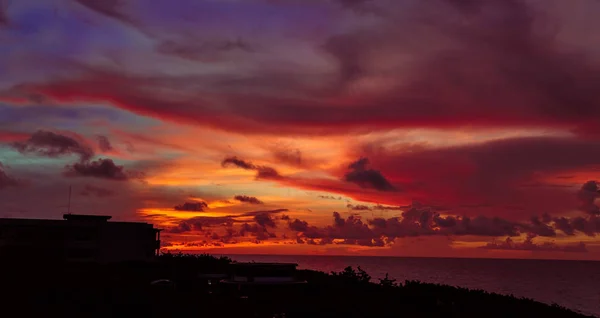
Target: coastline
123	289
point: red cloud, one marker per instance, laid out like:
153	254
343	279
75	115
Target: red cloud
12	136
497	69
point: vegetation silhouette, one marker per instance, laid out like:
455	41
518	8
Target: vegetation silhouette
44	288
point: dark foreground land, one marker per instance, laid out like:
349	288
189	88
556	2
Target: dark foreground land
40	289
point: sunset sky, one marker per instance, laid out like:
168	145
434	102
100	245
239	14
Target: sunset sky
343	127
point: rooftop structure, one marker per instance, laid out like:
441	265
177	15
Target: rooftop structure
78	238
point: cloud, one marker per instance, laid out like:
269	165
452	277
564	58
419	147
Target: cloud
288	155
262	172
112	9
588	194
204	51
329	197
367	178
498	67
487	176
200	222
233	228
262	218
248	199
101	168
385	207
11	136
589	225
258	231
358	207
7	181
91	190
265	220
419	220
4	21
541	227
238	163
104	144
502	66
254	213
529	245
192	206
51	144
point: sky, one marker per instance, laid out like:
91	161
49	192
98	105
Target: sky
440	128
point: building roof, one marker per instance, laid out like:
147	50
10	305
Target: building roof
72	221
82	217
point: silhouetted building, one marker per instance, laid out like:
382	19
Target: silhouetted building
78	238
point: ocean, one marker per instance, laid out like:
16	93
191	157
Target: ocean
572	284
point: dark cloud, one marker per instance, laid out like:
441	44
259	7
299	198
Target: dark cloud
262	219
529	245
588	194
421	220
367	178
564	224
589	225
104	144
298	225
101	168
181	227
329	197
238	163
265	220
91	190
380	207
256	230
262	172
358	207
200	222
192	206
254	213
541	227
51	144
267	173
501	65
7	181
248	199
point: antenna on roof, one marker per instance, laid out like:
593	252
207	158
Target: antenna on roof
69	205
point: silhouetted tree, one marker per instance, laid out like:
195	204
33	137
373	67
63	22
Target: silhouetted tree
387	282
